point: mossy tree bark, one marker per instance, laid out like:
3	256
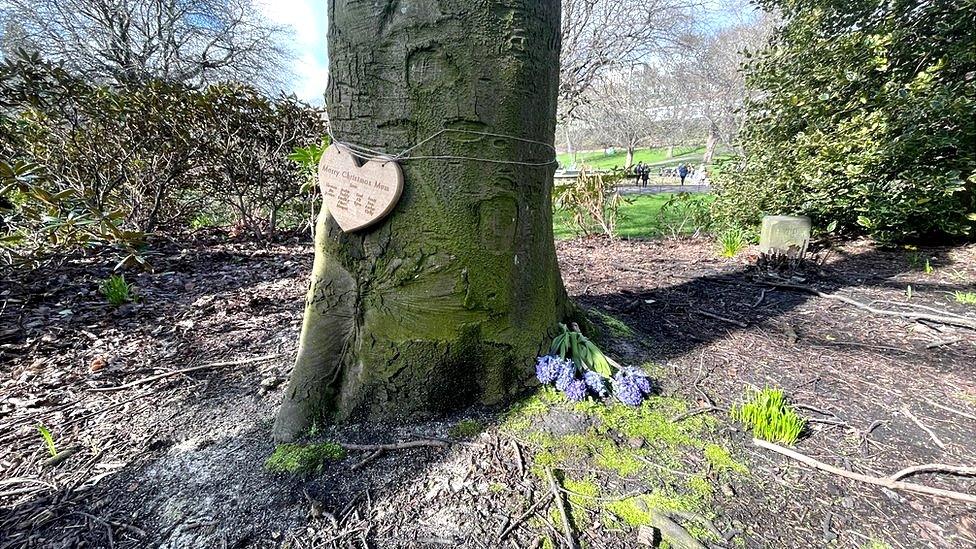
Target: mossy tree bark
447	301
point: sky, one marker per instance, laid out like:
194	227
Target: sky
308	19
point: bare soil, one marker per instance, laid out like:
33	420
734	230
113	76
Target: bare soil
179	461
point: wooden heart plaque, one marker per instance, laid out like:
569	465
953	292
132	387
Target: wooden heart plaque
358	195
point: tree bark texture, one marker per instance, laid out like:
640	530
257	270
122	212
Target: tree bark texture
710	144
447	301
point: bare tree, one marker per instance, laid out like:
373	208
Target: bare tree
640	106
711	76
625	108
599	36
124	41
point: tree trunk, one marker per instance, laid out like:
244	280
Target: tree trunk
670	151
448	300
710	144
629	161
569	145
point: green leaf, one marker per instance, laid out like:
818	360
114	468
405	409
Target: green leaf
12	238
48	439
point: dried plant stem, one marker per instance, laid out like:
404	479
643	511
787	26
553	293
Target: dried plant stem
561	506
892	482
923	427
150	379
944	318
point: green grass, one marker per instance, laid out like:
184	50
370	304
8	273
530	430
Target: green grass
731	242
769	417
654	157
966	298
116	290
640	217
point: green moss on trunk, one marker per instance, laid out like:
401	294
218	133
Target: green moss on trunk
448	300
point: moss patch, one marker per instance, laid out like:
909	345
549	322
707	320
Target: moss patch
586	488
519	418
721	460
614	326
466	428
606	450
635	511
303	458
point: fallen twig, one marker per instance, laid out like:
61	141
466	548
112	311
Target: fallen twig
923	427
396	445
943	318
62	456
150	379
695	412
524	516
521	460
762	296
951	410
704	521
934	468
561	506
890	482
936	344
671	532
918	306
722	318
367	460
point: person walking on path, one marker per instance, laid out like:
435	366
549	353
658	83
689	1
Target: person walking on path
645	173
639	170
682	173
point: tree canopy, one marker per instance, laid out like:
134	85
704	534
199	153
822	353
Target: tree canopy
134	41
862	118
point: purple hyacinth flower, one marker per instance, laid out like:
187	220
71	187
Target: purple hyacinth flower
576	390
567	373
596	383
546	369
627	390
641	380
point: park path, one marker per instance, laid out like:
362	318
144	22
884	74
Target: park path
661	189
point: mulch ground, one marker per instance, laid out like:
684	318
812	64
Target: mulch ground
177	461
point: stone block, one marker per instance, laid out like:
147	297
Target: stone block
785	234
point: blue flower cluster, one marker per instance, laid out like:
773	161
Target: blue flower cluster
631	385
564	373
548	368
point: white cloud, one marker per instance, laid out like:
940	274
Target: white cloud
308	18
